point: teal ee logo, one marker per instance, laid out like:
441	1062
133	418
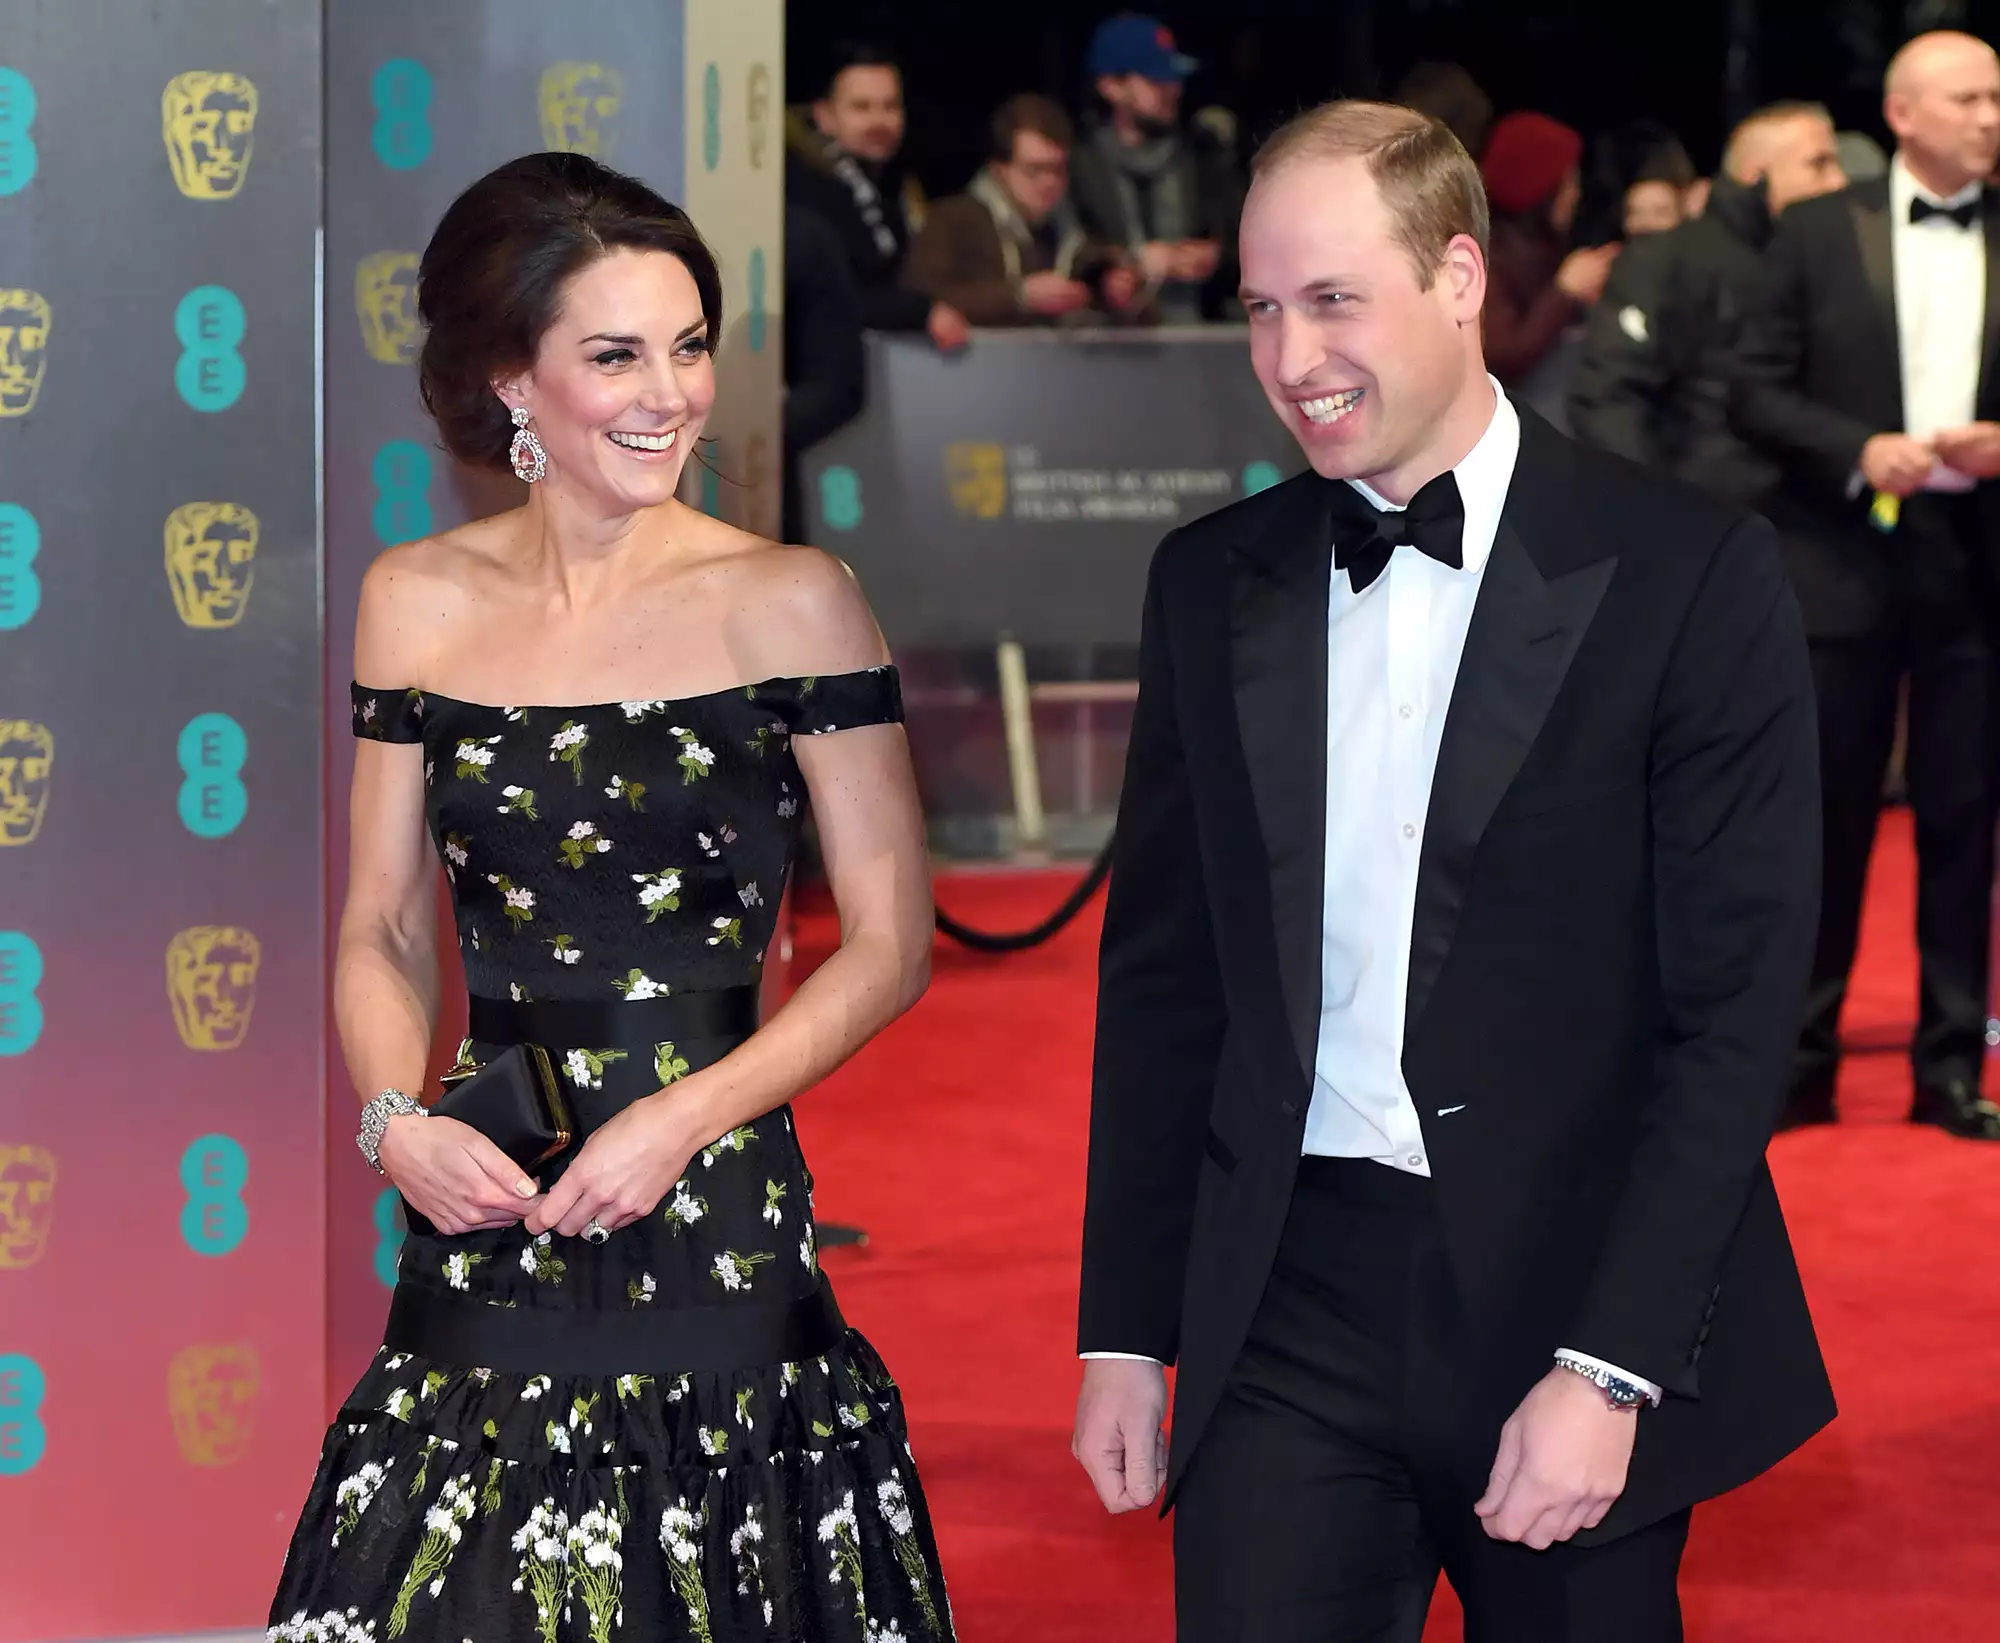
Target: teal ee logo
20	588
212	751
22	1439
1259	476
402	474
17	147
711	116
840	497
402	92
20	1009
210	324
214	1219
389	1247
759	313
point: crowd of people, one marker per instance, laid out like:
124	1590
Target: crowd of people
1726	330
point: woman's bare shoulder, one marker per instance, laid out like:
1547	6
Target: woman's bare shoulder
415	595
798	611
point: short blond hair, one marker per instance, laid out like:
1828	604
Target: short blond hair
1428	182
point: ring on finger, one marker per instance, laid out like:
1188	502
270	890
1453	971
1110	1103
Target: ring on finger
596	1233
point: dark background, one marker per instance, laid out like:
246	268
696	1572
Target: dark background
1696	65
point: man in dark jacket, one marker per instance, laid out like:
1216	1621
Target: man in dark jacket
846	172
1652	381
1168	194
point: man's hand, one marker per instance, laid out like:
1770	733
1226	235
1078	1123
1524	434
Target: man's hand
1120	287
1157	259
1973	450
1896	463
949	329
1119	1415
1583	273
1053	293
1195	260
1562	1463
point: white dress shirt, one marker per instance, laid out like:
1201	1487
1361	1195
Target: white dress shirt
1392	662
1940	273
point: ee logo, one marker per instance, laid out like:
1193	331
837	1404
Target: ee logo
402	473
21	1436
759	312
210	324
711	116
20	588
20	1009
17	148
402	91
213	801
840	497
388	1247
214	1219
1259	476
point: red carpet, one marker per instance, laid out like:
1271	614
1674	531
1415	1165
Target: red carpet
957	1140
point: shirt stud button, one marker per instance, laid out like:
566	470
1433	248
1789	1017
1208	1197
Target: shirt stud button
1406	710
1409	832
1416	1160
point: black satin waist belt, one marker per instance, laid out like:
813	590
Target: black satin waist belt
589	1023
462	1330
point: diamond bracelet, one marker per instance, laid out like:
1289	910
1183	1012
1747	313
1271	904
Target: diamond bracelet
375	1118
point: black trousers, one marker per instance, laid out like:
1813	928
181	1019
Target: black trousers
1338	1474
1939	635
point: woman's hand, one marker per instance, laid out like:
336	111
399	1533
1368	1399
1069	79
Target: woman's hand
453	1176
623	1170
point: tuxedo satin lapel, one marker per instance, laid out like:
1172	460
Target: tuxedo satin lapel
1524	633
1278	636
1989	349
1869	207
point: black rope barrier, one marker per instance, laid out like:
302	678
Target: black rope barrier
990	941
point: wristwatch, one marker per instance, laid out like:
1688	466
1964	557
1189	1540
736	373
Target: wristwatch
375	1116
1618	1392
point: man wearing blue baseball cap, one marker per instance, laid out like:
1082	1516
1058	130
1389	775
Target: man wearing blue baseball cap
1143	181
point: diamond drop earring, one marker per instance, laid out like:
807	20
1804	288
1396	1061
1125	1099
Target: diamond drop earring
529	460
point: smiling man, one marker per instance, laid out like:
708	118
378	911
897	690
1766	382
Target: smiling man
1464	891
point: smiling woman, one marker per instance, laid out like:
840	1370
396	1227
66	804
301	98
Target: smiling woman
614	1380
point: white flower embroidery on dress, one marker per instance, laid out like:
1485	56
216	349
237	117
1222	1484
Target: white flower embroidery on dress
638	986
750	896
536	1386
368	711
735	1271
541	1542
455	851
355	1495
635	711
659	892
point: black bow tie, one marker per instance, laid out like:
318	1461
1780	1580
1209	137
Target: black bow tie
1364	537
1964	215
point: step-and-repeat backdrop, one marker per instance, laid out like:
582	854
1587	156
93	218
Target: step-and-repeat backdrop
422	100
193	1259
161	897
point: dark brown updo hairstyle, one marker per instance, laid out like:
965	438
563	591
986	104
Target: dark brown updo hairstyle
492	280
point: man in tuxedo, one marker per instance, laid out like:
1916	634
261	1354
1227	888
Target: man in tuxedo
1870	366
1464	891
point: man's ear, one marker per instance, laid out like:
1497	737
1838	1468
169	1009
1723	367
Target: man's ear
1462	272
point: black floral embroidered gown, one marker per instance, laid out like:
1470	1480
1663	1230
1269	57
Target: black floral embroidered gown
672	1435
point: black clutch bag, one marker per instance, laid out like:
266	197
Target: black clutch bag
514	1101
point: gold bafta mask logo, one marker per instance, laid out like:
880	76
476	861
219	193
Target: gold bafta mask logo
208	117
212	982
24	340
27	756
385	299
578	100
211	553
212	1395
757	112
27	1204
977	475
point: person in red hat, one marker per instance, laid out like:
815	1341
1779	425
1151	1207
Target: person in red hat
1538	287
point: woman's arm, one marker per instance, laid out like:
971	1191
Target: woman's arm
385	982
871	830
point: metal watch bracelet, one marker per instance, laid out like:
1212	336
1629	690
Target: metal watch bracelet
375	1116
1618	1392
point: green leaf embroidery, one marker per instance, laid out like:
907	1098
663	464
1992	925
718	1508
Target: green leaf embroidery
667	1066
586	1067
473	758
521	799
516	902
729	930
659	892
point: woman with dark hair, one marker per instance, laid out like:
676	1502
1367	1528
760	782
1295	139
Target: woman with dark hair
616	1398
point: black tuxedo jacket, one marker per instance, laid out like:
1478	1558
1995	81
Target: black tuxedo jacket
1820	373
1615	907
